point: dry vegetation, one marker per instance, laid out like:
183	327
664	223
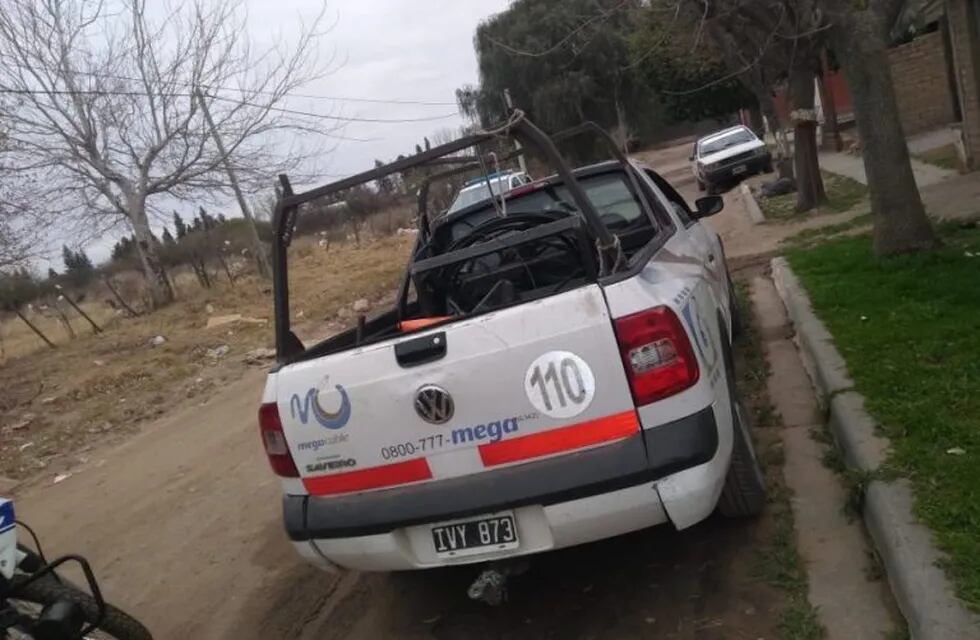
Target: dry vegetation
55	404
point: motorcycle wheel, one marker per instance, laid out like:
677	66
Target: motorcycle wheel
116	624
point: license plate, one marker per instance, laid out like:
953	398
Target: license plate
739	169
491	533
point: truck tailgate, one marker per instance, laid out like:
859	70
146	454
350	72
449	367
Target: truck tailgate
531	381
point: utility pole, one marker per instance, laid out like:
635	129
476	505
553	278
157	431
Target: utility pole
261	258
517	143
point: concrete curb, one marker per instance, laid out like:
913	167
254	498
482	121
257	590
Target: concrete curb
751	206
912	563
823	362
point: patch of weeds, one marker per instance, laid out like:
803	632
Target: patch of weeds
899	634
800	622
855	481
944	157
874	570
843	194
909	329
810	237
777	561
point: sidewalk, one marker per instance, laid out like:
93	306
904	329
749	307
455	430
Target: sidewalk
850	166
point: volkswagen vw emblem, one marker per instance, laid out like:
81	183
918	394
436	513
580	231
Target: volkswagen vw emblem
434	404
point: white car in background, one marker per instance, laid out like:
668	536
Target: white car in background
477	189
728	156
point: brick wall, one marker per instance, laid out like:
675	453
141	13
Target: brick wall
922	83
966	58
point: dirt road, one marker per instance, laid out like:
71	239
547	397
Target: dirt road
182	523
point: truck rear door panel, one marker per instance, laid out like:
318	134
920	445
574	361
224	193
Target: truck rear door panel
528	382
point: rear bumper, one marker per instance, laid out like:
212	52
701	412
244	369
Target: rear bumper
753	165
561	501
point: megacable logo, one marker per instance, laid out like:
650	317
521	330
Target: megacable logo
302	407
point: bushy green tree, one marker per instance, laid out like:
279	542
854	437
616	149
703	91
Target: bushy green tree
564	61
180	227
79	269
685	70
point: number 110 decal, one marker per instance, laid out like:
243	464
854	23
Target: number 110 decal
560	384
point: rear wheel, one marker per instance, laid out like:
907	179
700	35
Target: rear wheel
744	493
48	590
700	185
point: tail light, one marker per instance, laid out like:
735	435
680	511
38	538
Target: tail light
657	354
274	439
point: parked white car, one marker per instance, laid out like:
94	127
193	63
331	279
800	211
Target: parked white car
728	156
477	190
562	374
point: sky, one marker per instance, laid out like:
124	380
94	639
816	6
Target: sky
394	49
414	50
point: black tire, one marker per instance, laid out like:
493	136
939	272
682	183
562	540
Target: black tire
700	186
768	168
48	590
744	494
711	189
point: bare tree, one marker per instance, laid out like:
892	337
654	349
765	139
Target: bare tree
104	115
23	222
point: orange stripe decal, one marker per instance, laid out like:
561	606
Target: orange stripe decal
389	475
576	436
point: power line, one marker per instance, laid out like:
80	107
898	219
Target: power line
342	119
307	114
398	101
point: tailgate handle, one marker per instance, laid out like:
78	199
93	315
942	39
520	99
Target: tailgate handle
412	353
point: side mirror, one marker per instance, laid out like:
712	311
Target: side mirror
708	206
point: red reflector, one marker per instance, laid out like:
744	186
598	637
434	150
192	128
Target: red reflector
656	354
274	440
576	436
388	475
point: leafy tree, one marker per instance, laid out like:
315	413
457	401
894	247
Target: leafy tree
560	68
78	267
684	73
17	288
386	184
124	249
180	227
168	240
52	274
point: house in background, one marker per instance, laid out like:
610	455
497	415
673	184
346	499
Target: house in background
935	66
963	26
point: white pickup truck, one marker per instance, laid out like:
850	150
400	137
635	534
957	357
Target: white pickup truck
558	370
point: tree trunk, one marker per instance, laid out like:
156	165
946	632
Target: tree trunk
156	278
900	222
784	168
809	183
831	131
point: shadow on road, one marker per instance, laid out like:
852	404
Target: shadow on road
653	583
